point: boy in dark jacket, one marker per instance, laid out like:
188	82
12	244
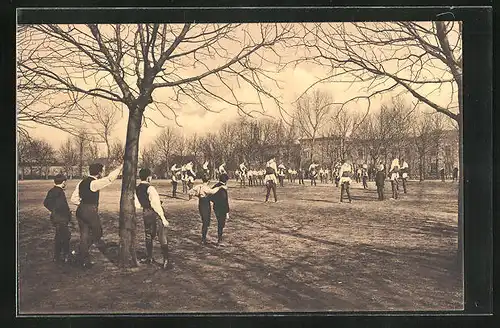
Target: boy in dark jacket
60	216
379	182
221	206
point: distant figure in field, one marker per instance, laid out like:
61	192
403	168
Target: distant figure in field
174	171
313	174
60	216
301	174
455	174
270	179
243	174
184	179
394	176
364	174
86	196
222	168
206	170
281	174
345	173
441	172
203	191
190	176
379	181
155	223
404	174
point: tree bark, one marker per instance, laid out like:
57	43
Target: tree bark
128	220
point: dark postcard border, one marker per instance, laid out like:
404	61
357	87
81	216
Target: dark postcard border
477	144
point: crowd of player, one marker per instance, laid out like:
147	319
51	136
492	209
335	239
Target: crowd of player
270	175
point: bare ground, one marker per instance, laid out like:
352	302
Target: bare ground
308	252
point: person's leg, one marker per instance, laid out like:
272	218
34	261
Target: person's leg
221	223
84	241
274	191
347	191
95	225
204	208
149	220
341	192
174	189
162	237
65	239
268	188
404	185
57	243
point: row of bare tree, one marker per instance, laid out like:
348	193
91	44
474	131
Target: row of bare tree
36	156
318	128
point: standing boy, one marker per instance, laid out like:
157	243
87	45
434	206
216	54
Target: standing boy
270	179
221	206
394	176
60	216
345	180
364	173
379	182
281	174
86	196
147	198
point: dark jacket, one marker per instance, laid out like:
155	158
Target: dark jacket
56	203
220	200
380	178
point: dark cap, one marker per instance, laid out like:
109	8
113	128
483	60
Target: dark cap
60	178
144	173
95	168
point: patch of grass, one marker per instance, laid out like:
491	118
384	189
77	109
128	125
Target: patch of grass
308	252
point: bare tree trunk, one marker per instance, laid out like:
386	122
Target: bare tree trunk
128	221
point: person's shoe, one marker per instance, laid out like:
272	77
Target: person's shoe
167	265
88	265
146	260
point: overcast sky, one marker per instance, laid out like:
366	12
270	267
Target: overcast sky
193	118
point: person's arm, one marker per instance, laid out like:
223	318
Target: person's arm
99	184
49	201
154	198
75	197
212	191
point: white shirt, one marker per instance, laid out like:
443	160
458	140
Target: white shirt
405	165
174	168
345	168
205	166
154	198
95	185
243	167
222	169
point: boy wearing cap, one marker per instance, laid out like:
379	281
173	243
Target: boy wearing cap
60	216
379	182
147	198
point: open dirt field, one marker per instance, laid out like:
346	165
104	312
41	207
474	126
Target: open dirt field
308	252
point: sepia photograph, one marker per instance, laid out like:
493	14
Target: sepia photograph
240	167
